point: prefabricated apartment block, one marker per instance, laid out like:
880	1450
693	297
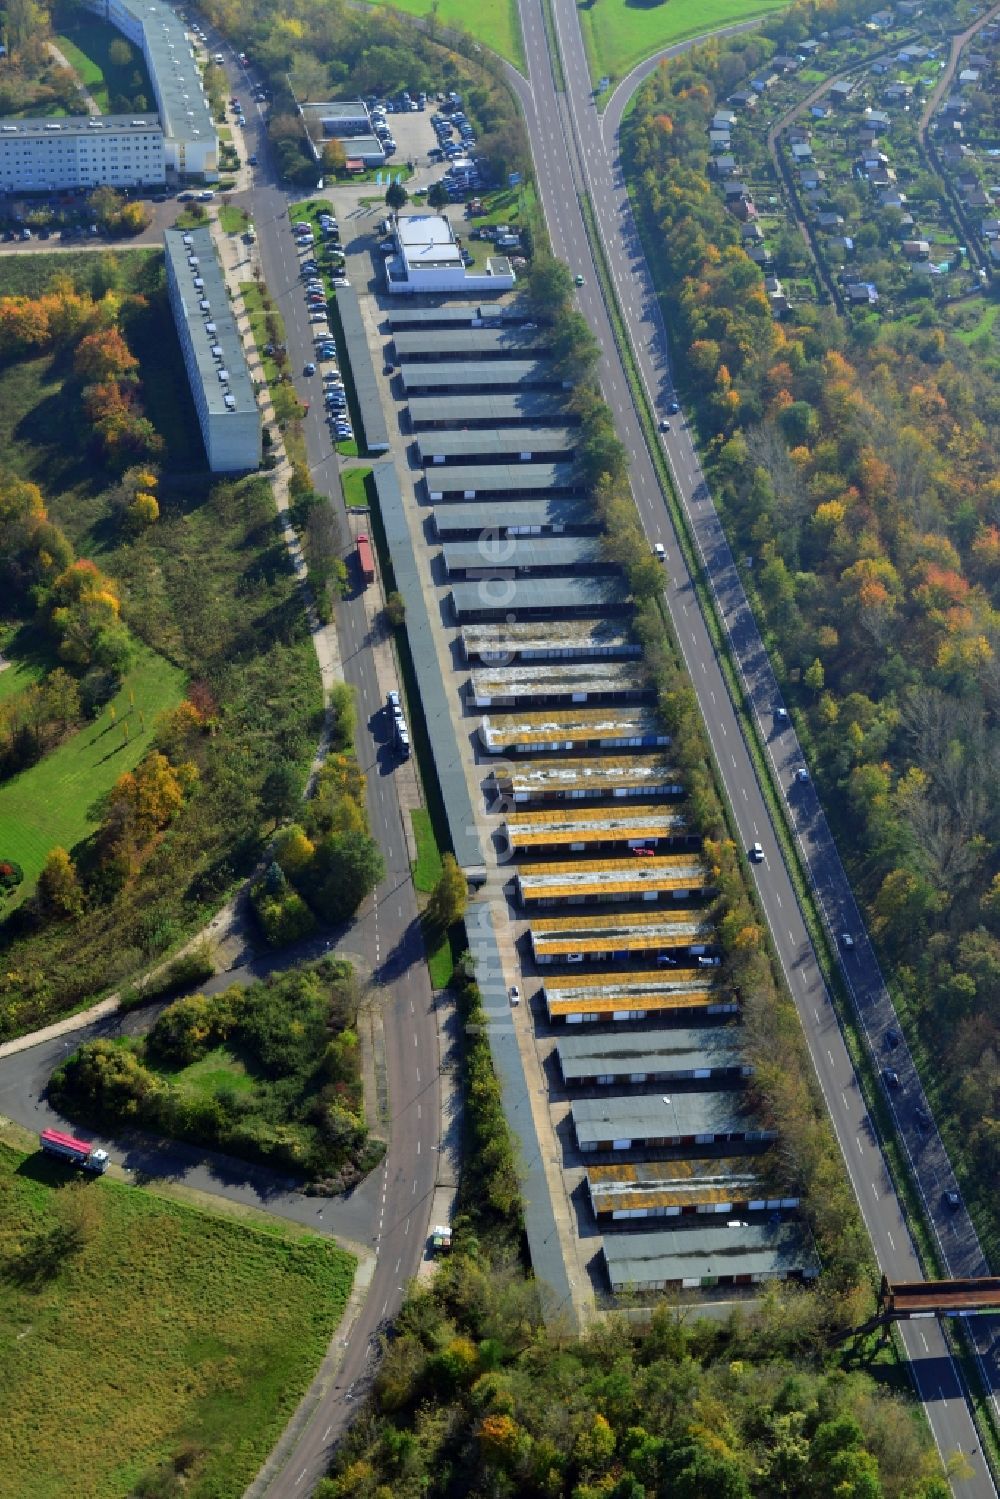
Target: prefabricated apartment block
221	387
190	141
46	155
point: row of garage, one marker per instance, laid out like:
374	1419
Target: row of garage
639	1032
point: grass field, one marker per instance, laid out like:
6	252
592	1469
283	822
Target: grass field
355	482
162	1332
620	33
233	220
54	802
495	24
427	867
86	43
253	301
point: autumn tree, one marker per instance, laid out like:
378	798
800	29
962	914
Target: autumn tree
449	896
104	355
59	892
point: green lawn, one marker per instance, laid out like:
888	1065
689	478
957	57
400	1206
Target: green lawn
495	24
253	301
171	1333
620	33
54	802
232	220
86	43
355	482
427	868
216	1070
25	666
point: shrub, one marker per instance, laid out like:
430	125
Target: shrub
284	918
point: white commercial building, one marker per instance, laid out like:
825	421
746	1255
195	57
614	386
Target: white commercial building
47	155
190	139
429	260
223	391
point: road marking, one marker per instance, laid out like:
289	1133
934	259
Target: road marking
418	1111
301	1476
875	1190
398	1263
923	1339
418	1148
417	1070
891	1244
327	1432
406	1226
830	1055
777	897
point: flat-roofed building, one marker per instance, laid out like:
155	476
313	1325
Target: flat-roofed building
190	141
497	445
592	828
575	682
697	1258
668	1121
506	375
566	640
561	515
546	782
664	994
597	1060
429	260
47	155
512	598
707	1187
221	387
345	120
579	729
661	877
476	409
485	481
606	936
419	345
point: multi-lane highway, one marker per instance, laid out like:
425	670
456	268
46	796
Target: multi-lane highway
575	153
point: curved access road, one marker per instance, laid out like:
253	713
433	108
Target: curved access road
576	153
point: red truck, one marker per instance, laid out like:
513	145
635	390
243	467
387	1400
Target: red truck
79	1152
366	560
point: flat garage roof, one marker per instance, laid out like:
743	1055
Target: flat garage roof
499	478
433	695
710	1048
593	597
485	343
510	516
504	555
699	1256
495	442
477	374
365	384
629	1121
518	406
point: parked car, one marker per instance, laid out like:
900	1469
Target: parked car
891	1038
252	159
890	1077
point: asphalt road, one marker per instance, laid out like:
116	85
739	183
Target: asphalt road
395	947
574	154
